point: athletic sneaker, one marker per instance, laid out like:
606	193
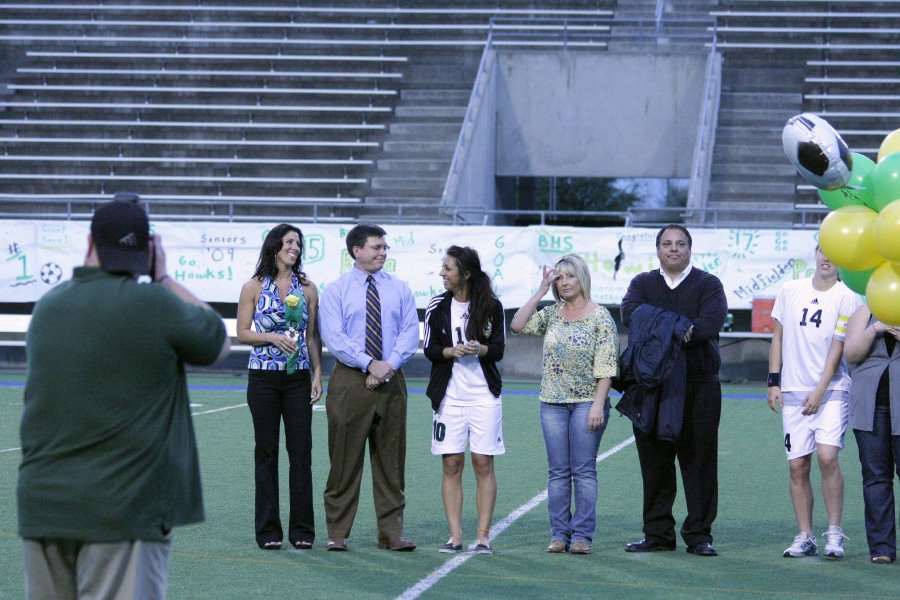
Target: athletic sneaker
834	542
803	545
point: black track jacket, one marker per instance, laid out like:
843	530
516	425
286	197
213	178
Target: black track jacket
438	335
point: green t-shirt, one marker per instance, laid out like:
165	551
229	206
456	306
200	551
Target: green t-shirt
108	448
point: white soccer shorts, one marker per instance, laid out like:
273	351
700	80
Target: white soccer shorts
479	426
803	433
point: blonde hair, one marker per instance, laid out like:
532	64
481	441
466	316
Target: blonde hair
574	264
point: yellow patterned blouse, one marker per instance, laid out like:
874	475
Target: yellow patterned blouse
576	353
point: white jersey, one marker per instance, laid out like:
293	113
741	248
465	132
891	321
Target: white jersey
467	384
811	320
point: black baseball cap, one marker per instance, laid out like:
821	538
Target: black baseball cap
121	233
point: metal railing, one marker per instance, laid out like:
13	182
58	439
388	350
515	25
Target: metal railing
801	216
701	166
598	32
797	217
450	194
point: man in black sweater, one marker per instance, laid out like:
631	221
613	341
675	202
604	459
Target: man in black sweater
699	296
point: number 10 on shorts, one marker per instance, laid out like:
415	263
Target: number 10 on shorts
439	430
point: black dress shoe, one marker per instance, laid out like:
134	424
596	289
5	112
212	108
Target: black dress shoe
646	545
702	549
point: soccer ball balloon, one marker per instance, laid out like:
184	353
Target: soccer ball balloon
817	151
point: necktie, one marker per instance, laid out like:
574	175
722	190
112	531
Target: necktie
373	320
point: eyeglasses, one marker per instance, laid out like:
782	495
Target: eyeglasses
379	247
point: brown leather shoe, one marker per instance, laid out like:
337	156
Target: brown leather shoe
398	545
337	544
580	547
557	547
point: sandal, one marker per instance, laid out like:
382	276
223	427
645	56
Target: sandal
303	545
273	545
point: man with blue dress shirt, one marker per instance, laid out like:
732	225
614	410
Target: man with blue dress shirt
366	399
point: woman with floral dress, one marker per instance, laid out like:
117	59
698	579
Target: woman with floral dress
579	361
276	315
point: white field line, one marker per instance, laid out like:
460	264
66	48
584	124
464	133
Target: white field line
426	583
215	410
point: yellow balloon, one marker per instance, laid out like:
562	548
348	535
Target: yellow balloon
847	238
883	293
887	231
889	145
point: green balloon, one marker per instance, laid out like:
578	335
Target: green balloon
886	181
856	280
859	188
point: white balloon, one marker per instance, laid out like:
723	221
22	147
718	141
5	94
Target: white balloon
817	151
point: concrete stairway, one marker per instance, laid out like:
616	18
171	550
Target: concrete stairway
416	153
682	25
752	182
784	57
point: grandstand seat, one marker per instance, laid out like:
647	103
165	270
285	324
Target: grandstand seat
824	57
263	96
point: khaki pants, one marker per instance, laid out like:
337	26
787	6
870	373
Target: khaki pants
75	570
357	415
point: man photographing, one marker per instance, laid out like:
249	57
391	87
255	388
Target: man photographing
109	459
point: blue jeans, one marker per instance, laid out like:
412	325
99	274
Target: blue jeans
571	459
879	456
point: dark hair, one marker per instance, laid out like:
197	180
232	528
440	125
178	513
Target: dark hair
478	284
272	246
680	228
360	233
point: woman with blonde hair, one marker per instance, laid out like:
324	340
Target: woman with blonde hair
580	358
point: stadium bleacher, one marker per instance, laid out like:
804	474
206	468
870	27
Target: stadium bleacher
258	100
339	113
366	101
784	57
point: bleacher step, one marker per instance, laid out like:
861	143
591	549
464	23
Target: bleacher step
419	148
407	183
412	166
431	112
427	131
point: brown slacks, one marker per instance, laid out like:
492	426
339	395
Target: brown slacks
357	415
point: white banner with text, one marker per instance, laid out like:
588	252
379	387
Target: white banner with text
215	259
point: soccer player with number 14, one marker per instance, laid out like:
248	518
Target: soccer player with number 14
809	379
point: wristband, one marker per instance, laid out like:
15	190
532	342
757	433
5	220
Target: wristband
163	278
774	380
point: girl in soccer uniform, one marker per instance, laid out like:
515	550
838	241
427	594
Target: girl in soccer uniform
808	378
465	335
